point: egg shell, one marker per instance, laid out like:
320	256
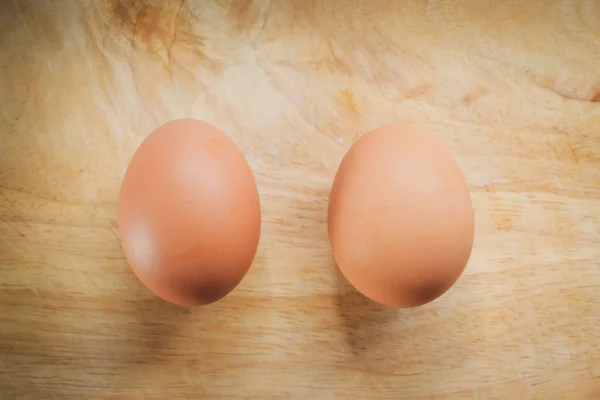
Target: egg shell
400	217
189	213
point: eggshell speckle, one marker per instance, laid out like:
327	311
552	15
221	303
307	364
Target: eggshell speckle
189	213
400	218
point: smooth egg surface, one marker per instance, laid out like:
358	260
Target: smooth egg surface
189	213
400	217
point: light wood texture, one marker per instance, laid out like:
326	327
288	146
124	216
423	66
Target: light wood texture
511	87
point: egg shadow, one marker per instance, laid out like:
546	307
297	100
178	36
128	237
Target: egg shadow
152	324
364	321
157	323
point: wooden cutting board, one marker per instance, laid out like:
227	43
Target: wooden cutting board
511	87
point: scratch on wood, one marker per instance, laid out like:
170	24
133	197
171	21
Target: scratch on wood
475	95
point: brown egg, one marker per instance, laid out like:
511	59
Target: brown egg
189	213
400	217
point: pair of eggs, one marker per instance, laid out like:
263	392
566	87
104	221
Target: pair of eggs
400	218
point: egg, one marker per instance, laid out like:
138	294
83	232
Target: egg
189	213
400	218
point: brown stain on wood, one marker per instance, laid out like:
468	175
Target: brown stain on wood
243	14
504	222
506	215
417	91
296	13
348	96
341	66
167	31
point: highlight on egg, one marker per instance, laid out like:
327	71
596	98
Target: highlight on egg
400	218
189	213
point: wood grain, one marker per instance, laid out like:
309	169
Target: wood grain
511	87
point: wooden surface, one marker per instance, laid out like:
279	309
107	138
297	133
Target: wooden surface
511	87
